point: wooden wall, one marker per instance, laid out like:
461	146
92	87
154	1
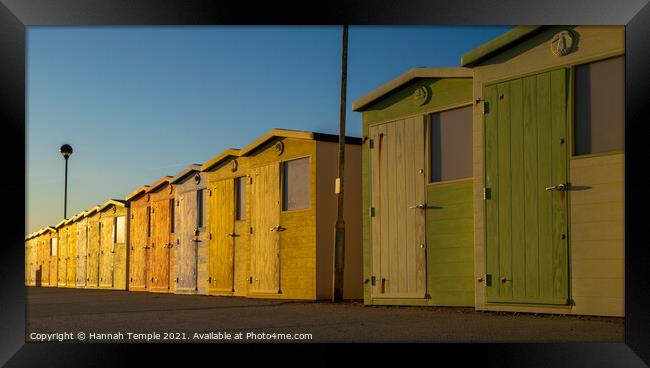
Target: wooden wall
449	223
190	250
62	254
241	243
161	240
138	243
326	214
71	267
113	262
530	57
82	253
298	241
92	268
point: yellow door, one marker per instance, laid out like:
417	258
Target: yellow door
222	227
265	222
106	253
138	247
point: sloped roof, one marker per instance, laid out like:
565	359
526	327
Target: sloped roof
137	192
497	44
159	183
113	202
415	73
287	133
223	156
187	171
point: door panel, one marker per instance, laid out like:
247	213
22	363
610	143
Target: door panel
106	253
397	227
71	273
526	225
82	251
187	245
137	244
222	227
93	254
265	241
62	254
160	237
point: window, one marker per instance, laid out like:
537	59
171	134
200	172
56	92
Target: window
54	242
451	144
119	229
599	106
148	221
240	198
295	184
199	208
171	216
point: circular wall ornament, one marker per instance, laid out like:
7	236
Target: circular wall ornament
233	165
197	178
279	148
421	95
562	43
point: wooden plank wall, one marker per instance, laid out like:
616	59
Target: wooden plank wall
71	268
241	241
298	241
162	240
82	253
527	58
92	269
138	243
62	257
190	249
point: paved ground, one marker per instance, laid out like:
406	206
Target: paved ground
51	310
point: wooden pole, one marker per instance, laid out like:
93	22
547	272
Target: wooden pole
339	238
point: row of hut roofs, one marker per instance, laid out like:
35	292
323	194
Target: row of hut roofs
497	185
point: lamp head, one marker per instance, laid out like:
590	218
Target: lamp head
66	151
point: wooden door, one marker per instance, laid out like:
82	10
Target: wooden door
187	242
221	259
526	224
82	251
265	239
71	272
138	244
398	198
92	269
62	254
160	233
106	253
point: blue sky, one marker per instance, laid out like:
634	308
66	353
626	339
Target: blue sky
138	103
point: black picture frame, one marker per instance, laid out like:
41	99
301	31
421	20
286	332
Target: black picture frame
16	15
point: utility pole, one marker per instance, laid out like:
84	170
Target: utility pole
339	238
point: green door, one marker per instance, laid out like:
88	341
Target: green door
526	207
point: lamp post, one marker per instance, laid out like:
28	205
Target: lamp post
66	151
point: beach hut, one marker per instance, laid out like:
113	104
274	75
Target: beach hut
288	186
38	258
227	255
113	239
139	229
191	220
417	189
62	253
93	238
81	228
549	170
161	236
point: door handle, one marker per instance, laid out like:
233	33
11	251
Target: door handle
560	187
276	227
421	206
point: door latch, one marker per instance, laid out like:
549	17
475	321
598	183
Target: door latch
421	206
560	187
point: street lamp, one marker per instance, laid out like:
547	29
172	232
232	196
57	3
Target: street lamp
66	151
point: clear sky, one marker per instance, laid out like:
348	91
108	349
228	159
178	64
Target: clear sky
138	103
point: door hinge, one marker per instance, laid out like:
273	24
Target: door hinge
486	107
250	180
371	143
251	230
210	236
487	194
210	192
372	211
373	280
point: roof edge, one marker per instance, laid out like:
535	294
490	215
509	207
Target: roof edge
159	183
135	193
113	202
482	52
223	156
405	78
187	171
